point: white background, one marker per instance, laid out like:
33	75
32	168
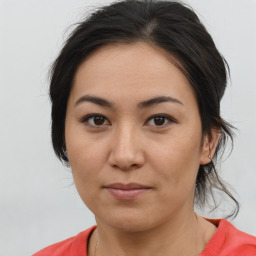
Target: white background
38	201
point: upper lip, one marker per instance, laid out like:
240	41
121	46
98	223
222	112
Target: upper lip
126	186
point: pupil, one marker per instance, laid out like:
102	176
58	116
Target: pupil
159	120
98	120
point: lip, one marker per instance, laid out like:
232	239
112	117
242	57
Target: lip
129	191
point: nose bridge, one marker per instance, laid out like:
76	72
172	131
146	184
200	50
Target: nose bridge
126	150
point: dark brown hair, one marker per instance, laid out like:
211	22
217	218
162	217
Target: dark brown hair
176	29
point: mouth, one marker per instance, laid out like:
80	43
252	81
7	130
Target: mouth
129	191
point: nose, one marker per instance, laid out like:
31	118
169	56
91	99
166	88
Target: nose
126	150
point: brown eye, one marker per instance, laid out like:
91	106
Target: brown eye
98	120
160	120
95	120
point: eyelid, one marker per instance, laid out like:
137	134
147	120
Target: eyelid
87	117
162	115
169	118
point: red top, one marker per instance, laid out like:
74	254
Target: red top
227	241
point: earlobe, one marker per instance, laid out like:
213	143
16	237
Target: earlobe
209	146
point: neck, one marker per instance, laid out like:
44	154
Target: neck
165	239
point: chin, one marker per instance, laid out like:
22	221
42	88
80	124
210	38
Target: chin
129	221
131	226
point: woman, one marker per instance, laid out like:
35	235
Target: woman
136	96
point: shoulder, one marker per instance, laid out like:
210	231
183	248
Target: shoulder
228	240
73	246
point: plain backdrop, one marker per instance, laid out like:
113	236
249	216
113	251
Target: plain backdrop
39	204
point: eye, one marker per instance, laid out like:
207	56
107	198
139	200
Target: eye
95	120
160	120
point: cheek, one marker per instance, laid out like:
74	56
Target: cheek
178	160
86	161
83	150
86	157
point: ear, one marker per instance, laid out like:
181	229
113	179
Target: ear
209	145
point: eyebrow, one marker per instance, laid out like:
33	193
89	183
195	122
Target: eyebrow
144	104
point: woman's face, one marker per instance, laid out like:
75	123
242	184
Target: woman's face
133	136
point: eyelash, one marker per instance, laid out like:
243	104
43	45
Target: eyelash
166	117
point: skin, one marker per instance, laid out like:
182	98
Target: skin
130	146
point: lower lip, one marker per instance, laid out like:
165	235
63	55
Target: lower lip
127	194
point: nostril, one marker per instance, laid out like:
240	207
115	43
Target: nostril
126	167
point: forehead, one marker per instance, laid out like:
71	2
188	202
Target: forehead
130	69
